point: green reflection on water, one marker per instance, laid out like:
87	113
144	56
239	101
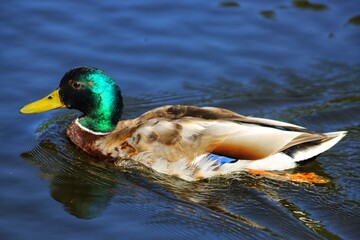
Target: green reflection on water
230	4
354	20
305	4
268	14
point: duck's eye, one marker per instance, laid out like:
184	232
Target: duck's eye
76	85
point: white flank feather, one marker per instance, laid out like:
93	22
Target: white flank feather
278	161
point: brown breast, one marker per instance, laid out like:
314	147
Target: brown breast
85	140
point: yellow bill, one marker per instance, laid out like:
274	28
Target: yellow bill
51	101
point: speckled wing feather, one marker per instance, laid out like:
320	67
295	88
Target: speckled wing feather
186	131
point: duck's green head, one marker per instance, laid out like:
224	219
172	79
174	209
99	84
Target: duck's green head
88	90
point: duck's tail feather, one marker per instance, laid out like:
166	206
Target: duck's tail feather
309	150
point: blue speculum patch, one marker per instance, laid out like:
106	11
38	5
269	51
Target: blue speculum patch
222	159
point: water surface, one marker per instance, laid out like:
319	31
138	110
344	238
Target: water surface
295	61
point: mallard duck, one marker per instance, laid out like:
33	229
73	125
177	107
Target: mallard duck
189	142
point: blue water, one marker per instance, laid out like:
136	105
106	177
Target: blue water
295	61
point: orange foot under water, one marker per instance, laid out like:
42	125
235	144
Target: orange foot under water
295	177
